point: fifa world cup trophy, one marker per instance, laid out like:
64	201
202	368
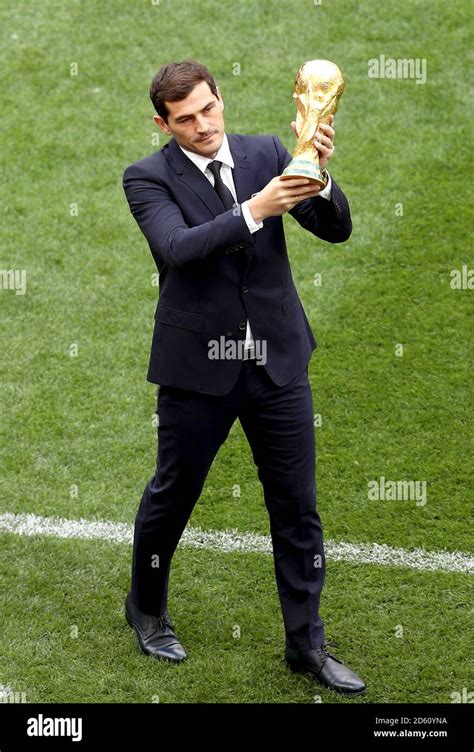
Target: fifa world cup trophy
318	87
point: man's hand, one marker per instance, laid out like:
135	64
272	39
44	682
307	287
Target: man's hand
323	141
281	195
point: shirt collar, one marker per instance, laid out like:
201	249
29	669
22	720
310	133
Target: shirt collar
223	155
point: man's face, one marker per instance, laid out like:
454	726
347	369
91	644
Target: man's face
194	118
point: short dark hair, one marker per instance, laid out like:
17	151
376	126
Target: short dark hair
175	81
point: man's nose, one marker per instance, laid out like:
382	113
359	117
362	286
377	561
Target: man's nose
202	125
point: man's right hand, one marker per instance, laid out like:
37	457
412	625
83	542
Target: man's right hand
281	195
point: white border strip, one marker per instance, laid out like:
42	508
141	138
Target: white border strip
233	540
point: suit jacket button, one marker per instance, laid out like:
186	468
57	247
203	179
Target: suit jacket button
242	325
245	289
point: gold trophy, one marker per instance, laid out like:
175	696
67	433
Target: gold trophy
318	87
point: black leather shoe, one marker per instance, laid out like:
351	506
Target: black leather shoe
325	668
154	633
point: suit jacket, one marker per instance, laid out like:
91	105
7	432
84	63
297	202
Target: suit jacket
214	273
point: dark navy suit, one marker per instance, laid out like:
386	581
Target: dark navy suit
214	275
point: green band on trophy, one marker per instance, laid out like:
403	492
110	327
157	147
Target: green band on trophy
303	168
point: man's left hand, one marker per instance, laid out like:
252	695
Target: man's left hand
323	141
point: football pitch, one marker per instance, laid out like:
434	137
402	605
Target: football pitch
391	310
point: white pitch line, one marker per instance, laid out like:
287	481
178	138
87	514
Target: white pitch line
229	541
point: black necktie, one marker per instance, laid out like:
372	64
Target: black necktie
221	189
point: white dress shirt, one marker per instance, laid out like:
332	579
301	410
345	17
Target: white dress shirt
224	156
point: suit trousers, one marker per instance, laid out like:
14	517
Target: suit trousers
278	424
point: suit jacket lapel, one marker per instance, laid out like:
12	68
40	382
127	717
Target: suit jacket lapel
198	182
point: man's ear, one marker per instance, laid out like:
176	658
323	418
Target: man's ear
161	124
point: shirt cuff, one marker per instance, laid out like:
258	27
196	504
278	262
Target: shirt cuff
251	224
326	192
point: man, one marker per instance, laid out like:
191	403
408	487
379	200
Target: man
210	205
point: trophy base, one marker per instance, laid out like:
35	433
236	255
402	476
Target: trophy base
303	168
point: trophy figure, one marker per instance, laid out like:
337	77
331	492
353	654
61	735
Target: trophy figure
319	85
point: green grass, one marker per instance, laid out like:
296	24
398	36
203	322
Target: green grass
67	641
87	420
